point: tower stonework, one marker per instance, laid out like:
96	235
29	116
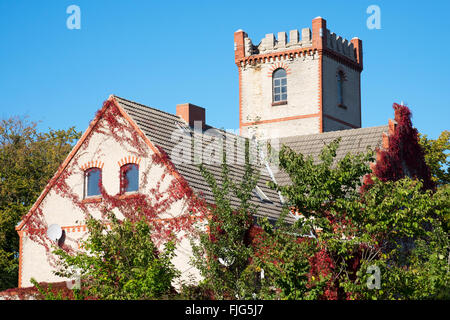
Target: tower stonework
309	83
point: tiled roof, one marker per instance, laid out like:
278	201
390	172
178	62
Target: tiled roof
352	141
166	130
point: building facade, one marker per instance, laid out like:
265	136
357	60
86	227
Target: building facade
305	84
303	91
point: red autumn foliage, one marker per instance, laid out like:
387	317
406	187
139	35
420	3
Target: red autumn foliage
404	156
59	289
152	204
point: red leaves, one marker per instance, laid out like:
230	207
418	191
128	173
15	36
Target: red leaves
322	265
404	155
155	204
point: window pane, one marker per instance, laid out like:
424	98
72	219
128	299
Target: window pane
277	97
340	88
92	182
283	97
131	177
283	89
283	81
277	82
279	73
277	89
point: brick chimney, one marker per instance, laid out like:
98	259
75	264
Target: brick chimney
190	113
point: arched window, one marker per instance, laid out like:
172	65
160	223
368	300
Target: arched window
92	182
279	85
340	87
129	178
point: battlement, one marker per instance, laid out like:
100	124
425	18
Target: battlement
280	43
340	45
319	38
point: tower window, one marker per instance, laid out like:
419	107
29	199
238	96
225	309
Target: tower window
340	88
92	181
129	178
279	85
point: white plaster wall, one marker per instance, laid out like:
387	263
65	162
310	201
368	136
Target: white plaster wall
302	86
283	129
352	100
60	210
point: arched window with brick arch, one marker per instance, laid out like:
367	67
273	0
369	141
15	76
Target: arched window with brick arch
92	182
129	178
340	88
279	85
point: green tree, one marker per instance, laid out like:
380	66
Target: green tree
120	261
28	159
343	232
437	156
221	252
401	229
303	267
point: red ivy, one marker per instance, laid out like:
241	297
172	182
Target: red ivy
404	155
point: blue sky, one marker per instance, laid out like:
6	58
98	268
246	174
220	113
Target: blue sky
162	53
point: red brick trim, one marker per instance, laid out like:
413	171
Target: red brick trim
270	57
240	99
21	235
288	54
357	45
320	91
279	103
385	141
80	142
77	228
392	126
314	115
278	65
129	159
239	49
63	166
92	164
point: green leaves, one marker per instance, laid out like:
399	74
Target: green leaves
437	156
397	226
222	253
28	159
121	261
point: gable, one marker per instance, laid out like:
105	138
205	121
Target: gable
86	154
171	134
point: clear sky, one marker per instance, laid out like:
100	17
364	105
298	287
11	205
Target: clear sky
162	53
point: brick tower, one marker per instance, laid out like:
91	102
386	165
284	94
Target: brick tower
301	86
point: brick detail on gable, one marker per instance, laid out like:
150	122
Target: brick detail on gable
92	164
129	159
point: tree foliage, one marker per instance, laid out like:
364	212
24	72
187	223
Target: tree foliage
437	156
120	261
393	226
28	159
222	251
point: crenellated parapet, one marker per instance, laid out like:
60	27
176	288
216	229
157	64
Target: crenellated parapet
340	45
281	42
305	42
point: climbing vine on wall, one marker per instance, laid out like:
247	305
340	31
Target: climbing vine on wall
154	204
